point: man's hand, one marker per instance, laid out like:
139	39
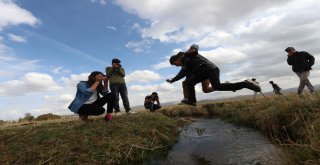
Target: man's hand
100	77
169	80
115	65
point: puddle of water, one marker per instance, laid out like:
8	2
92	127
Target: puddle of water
212	141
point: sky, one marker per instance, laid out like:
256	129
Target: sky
47	47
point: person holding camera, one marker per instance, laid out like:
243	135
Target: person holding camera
116	75
88	100
149	102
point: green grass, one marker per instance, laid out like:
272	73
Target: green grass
128	139
291	121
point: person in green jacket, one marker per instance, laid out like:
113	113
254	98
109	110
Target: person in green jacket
116	74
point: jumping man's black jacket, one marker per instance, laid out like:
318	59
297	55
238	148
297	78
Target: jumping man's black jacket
193	65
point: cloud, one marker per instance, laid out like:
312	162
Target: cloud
40	89
163	64
17	38
224	56
112	28
29	83
74	79
248	41
102	2
142	76
11	14
140	46
60	69
205	18
12	66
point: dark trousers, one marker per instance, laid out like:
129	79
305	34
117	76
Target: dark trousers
151	106
121	89
214	76
277	92
96	108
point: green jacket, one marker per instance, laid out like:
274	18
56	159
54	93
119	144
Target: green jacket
116	75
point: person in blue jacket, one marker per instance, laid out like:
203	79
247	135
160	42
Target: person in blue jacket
88	100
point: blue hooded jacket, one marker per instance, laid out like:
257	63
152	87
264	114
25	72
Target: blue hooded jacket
84	92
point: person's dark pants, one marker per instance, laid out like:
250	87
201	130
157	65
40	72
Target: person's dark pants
151	106
277	92
96	108
121	89
214	76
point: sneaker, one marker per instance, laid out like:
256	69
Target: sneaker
108	117
189	102
184	99
83	117
127	110
253	85
132	112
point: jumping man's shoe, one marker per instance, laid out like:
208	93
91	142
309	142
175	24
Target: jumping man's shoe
127	110
189	102
253	85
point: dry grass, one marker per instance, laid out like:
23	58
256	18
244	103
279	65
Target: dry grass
292	121
128	139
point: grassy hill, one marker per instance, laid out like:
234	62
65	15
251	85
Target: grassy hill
291	121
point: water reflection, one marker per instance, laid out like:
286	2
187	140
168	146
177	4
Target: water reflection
212	141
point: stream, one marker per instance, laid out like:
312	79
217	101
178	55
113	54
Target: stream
213	141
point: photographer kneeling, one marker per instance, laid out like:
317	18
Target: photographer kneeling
88	101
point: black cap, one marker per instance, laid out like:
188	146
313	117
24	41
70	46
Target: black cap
115	60
289	48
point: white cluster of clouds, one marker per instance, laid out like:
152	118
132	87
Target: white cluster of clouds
15	15
17	38
243	40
